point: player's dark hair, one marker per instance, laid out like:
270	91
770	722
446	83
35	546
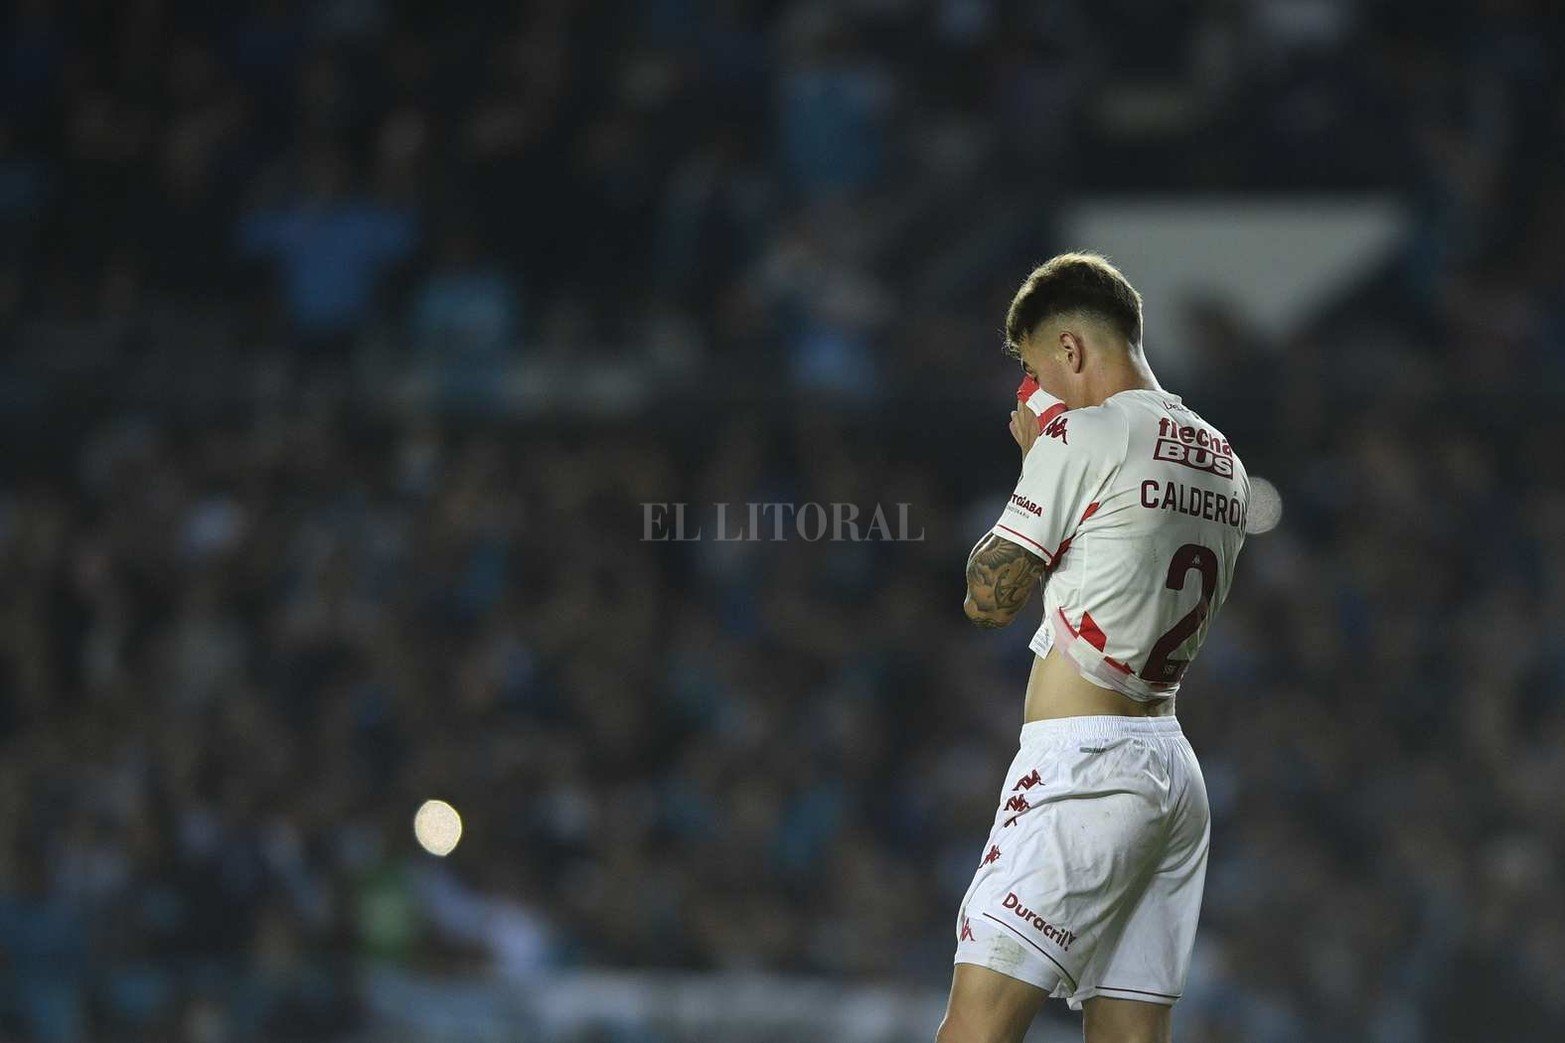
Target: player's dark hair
1074	282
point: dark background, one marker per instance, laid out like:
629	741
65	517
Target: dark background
342	342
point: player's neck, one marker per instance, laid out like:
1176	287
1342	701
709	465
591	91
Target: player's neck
1130	372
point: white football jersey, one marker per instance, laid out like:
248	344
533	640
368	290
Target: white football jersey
1137	508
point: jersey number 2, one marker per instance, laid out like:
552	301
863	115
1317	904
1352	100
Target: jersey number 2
1160	668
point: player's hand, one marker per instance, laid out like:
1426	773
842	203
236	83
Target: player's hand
1024	427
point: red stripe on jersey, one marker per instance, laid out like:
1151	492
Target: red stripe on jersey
1091	632
1065	544
1032	543
1094	635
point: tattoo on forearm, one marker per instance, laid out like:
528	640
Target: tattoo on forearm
1000	577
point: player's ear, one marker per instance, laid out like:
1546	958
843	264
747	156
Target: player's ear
1070	344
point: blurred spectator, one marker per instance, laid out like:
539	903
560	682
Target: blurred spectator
466	317
833	108
332	249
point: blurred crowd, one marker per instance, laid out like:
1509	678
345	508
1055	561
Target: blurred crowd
253	615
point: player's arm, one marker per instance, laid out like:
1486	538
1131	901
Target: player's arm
1000	573
1000	580
1063	469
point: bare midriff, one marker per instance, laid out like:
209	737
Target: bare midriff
1056	689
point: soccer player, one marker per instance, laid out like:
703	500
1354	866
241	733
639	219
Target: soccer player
1131	509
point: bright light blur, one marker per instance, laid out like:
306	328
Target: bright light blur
437	827
1265	507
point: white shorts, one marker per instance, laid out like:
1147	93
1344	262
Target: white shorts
1090	883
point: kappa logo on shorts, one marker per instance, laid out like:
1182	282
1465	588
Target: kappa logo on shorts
1017	804
1027	781
994	853
1058	935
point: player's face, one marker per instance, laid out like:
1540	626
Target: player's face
1045	362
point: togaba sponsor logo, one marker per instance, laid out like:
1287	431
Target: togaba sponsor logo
1027	505
1058	935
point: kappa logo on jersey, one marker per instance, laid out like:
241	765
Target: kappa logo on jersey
1194	447
1058	935
1056	429
1027	505
967	932
994	853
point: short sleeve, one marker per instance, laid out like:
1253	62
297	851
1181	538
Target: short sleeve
1064	472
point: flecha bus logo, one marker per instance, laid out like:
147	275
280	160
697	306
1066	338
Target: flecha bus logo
1194	447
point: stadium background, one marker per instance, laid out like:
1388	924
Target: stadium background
344	340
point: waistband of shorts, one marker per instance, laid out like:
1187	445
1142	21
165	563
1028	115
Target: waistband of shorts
1099	726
